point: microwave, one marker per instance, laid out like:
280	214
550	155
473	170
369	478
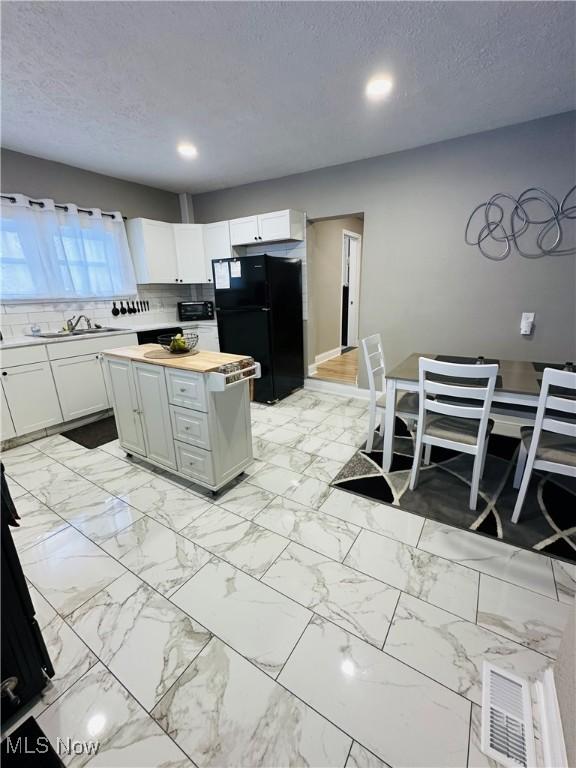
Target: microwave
196	310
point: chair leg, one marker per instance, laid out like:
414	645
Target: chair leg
427	453
484	459
476	475
371	427
417	459
520	464
523	488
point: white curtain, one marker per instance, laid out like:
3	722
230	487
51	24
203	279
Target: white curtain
50	253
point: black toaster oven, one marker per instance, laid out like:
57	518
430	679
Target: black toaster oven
196	310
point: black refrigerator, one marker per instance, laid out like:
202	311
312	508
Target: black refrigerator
259	313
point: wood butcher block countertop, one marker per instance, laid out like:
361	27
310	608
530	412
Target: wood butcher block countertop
203	362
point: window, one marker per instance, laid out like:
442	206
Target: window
53	254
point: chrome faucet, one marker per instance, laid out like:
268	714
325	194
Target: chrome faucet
71	326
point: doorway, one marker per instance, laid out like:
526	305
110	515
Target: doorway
334	248
351	250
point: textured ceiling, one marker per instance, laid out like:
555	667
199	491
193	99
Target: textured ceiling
269	89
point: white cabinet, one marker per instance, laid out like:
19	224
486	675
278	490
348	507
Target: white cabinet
216	245
80	385
153	250
281	225
191	264
7	429
245	230
268	227
31	397
166	253
207	337
122	390
155	414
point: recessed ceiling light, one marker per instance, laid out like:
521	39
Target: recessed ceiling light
187	150
379	87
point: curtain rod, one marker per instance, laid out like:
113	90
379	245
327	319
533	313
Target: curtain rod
40	204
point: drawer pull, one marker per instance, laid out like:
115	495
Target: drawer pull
186	428
182	389
191	463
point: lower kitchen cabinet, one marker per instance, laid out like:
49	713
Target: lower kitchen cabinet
155	414
80	385
6	423
122	388
31	393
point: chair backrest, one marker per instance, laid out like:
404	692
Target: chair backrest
452	386
556	412
374	360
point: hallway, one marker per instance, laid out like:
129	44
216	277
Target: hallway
342	369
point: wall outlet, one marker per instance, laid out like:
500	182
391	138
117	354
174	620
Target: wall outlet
527	323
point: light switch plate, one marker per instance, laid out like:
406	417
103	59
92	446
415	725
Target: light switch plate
527	323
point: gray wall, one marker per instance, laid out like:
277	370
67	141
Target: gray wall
65	184
422	287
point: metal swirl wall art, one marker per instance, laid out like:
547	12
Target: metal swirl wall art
534	223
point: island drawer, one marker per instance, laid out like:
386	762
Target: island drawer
190	426
195	462
186	389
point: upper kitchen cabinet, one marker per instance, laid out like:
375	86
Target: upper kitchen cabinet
216	245
153	250
166	253
245	230
268	227
191	264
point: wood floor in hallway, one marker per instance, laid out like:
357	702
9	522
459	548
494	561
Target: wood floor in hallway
342	369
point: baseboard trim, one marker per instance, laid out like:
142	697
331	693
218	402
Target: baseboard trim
323	356
332	387
551	730
312	369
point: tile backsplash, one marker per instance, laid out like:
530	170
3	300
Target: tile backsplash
16	318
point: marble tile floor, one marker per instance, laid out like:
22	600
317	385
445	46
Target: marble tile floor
283	623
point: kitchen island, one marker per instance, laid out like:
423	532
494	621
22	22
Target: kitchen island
189	414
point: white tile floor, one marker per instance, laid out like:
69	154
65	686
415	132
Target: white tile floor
284	623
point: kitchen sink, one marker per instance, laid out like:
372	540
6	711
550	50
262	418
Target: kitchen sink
81	332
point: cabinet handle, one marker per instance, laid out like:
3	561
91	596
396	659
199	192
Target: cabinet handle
186	428
4	373
182	389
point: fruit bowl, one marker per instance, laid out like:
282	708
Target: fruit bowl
179	344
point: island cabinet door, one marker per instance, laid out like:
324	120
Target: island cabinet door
153	398
122	390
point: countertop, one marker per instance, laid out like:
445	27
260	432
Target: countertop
26	341
203	362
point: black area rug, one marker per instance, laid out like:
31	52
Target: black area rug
547	523
95	434
28	747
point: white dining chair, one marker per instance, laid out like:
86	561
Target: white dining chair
407	403
453	424
550	445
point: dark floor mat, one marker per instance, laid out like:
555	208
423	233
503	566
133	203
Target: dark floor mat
95	434
28	747
546	524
